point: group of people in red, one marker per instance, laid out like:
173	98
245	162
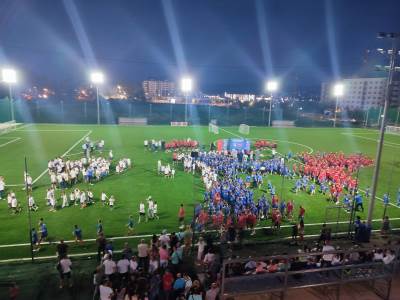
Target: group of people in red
181	144
334	168
261	144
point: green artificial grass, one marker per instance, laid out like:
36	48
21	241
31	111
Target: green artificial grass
39	143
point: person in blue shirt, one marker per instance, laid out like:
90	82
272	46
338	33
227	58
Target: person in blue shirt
398	197
77	234
35	239
130	225
282	207
312	189
386	199
43	231
346	202
359	202
367	192
99	227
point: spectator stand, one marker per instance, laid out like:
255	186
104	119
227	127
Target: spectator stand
297	272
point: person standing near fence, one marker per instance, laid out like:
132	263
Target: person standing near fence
64	268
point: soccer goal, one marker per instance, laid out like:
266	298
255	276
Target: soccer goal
7	127
393	129
213	128
244	129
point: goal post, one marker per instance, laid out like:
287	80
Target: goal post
393	129
244	129
7	127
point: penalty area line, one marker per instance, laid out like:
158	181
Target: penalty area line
64	154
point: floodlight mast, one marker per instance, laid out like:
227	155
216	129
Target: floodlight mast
97	78
395	37
338	91
186	88
271	87
9	76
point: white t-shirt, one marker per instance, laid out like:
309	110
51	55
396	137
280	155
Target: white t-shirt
328	248
1	185
109	267
105	292
66	265
123	265
141	208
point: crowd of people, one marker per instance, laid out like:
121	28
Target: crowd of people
265	144
187	144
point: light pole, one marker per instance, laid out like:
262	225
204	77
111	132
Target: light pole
338	91
97	78
271	87
394	37
186	88
9	76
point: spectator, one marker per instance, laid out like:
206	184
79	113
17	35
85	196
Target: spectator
209	258
64	268
109	248
13	291
385	226
62	249
196	291
109	267
167	282
123	268
200	248
188	283
164	256
378	255
133	265
97	278
213	292
143	254
164	238
127	251
106	292
155	283
389	257
327	258
179	286
153	264
101	246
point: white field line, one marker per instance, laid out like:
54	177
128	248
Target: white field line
49	257
65	153
150	235
23	126
379	198
9	142
387	144
53	130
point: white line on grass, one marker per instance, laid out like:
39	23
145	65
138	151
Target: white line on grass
23	126
53	130
388	144
65	153
150	235
9	142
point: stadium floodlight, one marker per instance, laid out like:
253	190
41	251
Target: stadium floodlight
97	78
9	76
186	88
186	84
338	91
271	86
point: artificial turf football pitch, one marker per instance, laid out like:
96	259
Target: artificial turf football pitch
39	143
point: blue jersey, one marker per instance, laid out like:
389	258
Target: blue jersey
78	232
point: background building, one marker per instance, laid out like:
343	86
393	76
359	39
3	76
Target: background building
362	93
158	88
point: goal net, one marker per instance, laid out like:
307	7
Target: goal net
7	127
212	128
244	129
393	129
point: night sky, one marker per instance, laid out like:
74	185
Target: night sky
225	44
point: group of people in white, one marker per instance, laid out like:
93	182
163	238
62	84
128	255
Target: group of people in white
152	210
123	164
165	170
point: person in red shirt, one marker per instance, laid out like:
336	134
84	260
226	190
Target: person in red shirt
242	221
302	212
167	282
289	209
251	222
181	214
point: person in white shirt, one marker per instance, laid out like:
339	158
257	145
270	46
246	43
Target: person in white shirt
9	199
64	199
111	202
110	155
31	203
103	198
72	198
109	266
65	272
2	187
150	208
155	210
133	264
14	205
106	292
82	198
123	266
389	257
142	212
90	196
